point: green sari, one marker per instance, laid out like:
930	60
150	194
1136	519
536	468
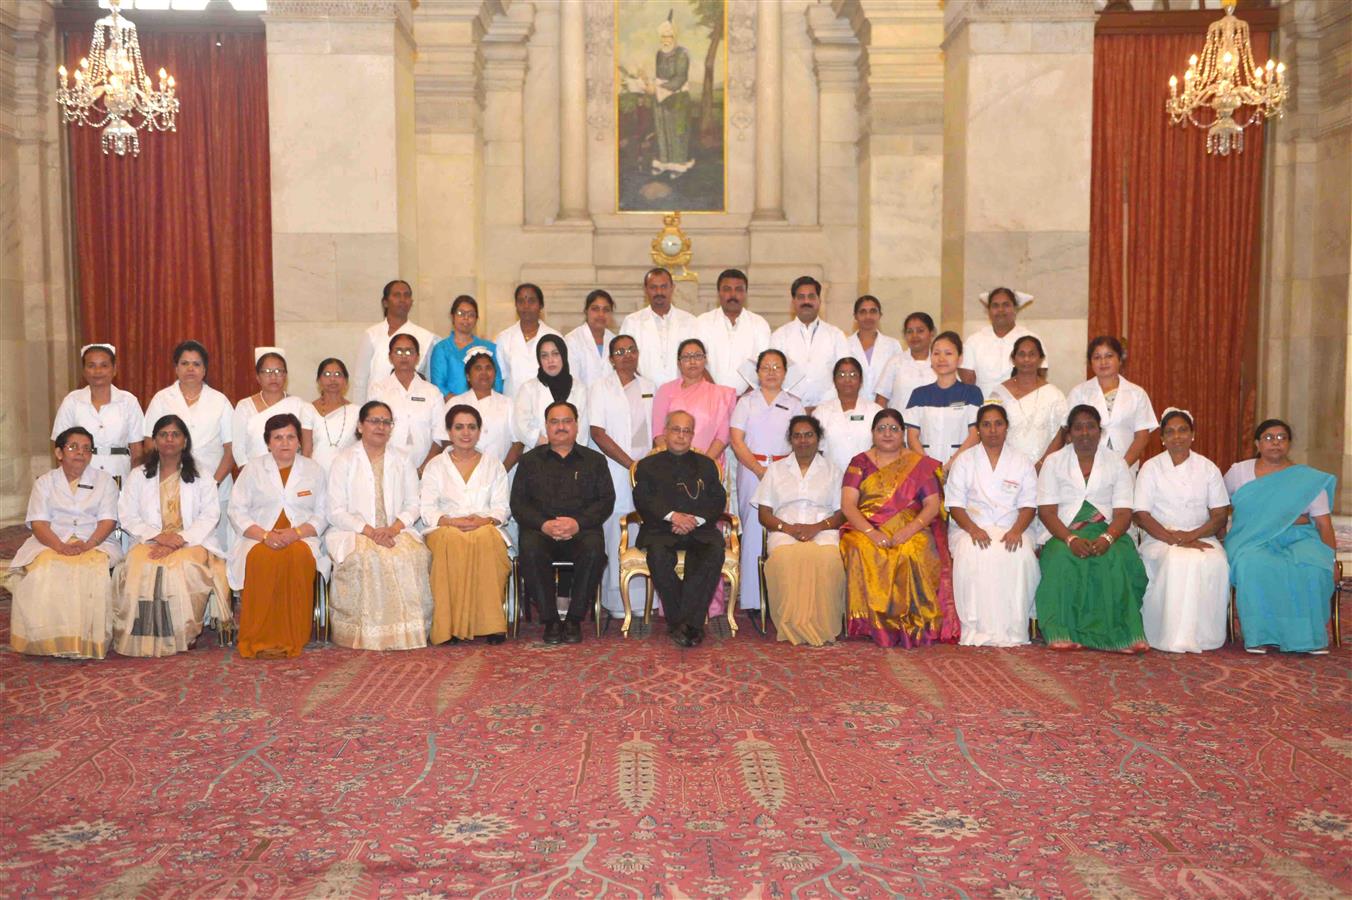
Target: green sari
1096	601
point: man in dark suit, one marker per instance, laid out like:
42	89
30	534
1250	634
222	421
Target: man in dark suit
680	495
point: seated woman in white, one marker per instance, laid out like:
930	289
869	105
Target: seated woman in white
992	497
271	400
173	579
464	506
380	599
799	507
61	605
1181	504
553	383
278	510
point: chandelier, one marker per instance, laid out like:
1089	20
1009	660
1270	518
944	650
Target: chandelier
1224	80
113	72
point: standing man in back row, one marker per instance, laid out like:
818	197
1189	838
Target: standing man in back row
732	334
373	350
659	328
811	344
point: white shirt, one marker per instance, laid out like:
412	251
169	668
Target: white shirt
248	422
814	349
209	422
1242	472
138	509
1061	482
1131	412
516	356
351	490
445	493
903	374
259	498
992	497
611	407
528	414
846	434
71	513
117	424
988	356
800	499
658	339
730	345
884	348
418	416
1179	497
373	355
585	360
332	433
1034	418
497	411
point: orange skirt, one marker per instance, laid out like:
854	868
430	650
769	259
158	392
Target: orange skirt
276	611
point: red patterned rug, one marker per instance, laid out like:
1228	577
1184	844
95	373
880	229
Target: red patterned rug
744	768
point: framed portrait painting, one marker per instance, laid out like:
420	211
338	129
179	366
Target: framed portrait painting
671	73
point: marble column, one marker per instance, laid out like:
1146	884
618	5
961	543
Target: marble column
1018	110
769	113
573	111
344	182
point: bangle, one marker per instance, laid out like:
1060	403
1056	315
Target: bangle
1108	537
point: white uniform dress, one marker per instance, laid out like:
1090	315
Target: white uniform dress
730	345
988	356
248	422
902	375
381	597
115	427
259	497
210	422
813	349
846	434
658	339
992	588
418	416
332	433
528	413
625	413
1034	418
373	355
516	356
585	359
61	608
1131	412
1189	594
884	348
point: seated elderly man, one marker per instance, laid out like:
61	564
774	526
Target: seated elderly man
561	498
680	496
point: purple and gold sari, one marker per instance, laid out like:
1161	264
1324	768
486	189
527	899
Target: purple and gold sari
898	595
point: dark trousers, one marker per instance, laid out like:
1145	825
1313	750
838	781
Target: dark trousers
586	550
686	600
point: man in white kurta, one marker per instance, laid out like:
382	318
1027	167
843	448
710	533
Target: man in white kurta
373	350
621	407
516	344
589	343
986	354
659	328
732	334
811	343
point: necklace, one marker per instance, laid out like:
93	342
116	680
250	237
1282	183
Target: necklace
328	435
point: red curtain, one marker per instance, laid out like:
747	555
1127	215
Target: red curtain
1183	226
177	243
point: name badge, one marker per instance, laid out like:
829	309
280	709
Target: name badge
303	493
1009	486
958	404
646	396
781	406
857	418
418	399
85	487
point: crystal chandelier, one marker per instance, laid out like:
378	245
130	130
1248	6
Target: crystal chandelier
1224	80
113	72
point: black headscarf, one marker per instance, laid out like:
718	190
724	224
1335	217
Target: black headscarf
559	385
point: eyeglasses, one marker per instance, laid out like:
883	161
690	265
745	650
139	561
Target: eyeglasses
77	448
379	423
334	374
1275	438
465	313
692	357
556	422
168	434
769	367
848	376
404	351
272	371
676	429
887	426
625	351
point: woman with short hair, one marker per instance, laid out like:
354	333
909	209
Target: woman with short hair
941	417
173	579
415	402
446	367
253	412
910	368
1123	407
113	416
846	417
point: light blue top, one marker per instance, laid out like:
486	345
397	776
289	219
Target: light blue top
446	368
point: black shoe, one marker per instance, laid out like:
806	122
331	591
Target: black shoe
572	632
554	632
694	635
496	638
755	616
680	637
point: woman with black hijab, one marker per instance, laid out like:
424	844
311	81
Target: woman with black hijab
552	383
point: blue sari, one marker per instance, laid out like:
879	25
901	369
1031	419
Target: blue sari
1282	572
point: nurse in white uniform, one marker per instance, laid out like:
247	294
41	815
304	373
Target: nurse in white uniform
253	411
113	416
210	422
416	402
1181	504
373	361
991	494
941	417
847	418
496	440
1124	407
873	349
589	343
985	359
621	414
908	369
332	415
515	345
1037	409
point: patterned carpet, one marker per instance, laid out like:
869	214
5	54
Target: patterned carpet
741	769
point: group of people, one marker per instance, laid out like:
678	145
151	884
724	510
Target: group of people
936	490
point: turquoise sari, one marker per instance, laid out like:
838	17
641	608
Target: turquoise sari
1282	572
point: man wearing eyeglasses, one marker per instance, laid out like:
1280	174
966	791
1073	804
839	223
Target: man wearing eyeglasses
561	499
680	496
659	328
